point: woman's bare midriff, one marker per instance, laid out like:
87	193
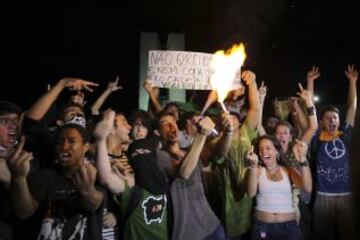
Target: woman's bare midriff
268	217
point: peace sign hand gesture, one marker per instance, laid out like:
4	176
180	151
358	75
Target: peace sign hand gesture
78	84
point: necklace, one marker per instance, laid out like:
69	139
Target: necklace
273	174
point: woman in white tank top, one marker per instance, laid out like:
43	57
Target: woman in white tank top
271	184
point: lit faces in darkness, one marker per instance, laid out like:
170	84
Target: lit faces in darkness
70	148
330	122
122	128
283	135
168	129
9	127
267	152
139	131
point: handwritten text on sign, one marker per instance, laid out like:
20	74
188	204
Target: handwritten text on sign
184	70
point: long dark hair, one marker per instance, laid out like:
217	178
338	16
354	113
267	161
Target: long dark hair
276	144
145	119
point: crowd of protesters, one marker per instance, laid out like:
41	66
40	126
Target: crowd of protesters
164	174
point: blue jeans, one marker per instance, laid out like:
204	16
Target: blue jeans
277	231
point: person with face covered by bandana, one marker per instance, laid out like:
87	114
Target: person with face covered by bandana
142	195
330	159
39	137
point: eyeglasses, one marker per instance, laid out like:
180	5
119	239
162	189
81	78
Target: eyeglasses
9	121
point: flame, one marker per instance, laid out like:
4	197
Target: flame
224	66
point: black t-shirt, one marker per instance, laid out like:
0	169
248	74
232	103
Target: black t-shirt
63	215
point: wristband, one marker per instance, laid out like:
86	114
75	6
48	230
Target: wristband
311	111
304	164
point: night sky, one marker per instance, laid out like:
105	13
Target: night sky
42	42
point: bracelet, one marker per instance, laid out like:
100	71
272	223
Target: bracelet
311	111
290	160
304	164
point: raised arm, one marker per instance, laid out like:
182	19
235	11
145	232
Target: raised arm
311	112
253	114
311	76
191	159
352	74
299	117
262	94
303	177
153	92
38	110
23	202
112	87
252	173
109	179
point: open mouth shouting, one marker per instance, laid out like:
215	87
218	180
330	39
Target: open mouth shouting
64	156
12	138
332	127
266	159
173	134
283	142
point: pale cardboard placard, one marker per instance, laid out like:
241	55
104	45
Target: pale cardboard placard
182	69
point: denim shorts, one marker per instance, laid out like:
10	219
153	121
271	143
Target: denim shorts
279	231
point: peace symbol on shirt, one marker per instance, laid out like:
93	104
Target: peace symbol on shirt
335	149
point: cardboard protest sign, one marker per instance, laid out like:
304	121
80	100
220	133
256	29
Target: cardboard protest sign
183	70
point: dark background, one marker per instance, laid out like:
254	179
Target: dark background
42	42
